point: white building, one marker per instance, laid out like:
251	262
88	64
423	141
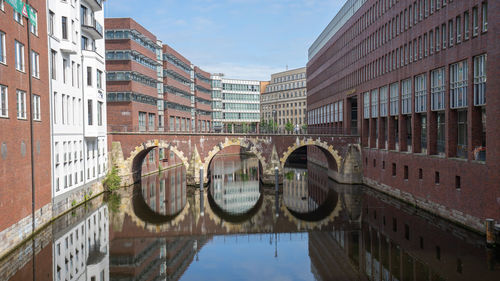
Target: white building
81	251
235	103
78	98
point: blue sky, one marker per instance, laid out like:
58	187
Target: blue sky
245	39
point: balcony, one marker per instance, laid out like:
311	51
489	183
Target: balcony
95	5
95	29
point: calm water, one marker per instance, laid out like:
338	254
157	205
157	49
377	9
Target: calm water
311	228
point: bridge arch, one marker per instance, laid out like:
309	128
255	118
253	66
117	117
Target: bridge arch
137	156
241	142
332	156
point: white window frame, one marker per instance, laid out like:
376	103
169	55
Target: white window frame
21	104
33	28
18	18
35	64
438	89
421	93
383	100
480	80
19	51
458	84
406	96
394	99
366	105
4	101
336	112
3	51
341	111
374	98
484	18
37	116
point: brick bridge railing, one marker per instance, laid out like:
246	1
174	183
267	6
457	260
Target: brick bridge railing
195	151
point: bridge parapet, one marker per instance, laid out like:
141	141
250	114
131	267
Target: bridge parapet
128	151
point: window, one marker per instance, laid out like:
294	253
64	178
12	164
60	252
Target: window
458	85
3	53
64	25
441	133
99	113
65	70
99	79
51	22
406	97
480	80
458	22
21	104
19	56
90	111
151	122
366	105
84	43
53	65
437	89
406	172
89	76
443	35
421	93
475	21
393	169
383	101
4	101
142	120
18	17
35	64
466	26
451	35
436	178
36	108
2	5
374	103
438	39
484	23
462	134
33	28
394	106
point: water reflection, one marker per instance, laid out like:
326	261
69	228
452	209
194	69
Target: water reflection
235	183
358	234
165	192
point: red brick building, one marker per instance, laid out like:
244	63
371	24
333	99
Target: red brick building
24	129
151	87
410	77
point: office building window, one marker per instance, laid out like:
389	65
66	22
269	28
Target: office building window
466	25
441	132
99	113
438	39
65	70
341	111
462	134
53	64
151	122
19	48
475	21
90	113
4	101
484	23
3	53
51	22
89	76
394	99
383	101
64	27
21	104
406	96
480	80
36	108
421	93
18	17
437	89
142	121
374	103
35	64
458	85
366	105
443	35
99	79
33	28
458	22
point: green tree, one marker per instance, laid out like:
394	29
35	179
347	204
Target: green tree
289	126
112	180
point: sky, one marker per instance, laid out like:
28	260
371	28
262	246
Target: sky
244	39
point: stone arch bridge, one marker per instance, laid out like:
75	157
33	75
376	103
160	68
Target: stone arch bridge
128	151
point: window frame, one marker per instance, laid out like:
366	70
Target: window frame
21	104
37	116
4	101
19	55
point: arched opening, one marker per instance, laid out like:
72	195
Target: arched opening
160	197
232	150
311	153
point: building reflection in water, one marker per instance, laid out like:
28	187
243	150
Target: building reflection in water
370	237
165	192
235	183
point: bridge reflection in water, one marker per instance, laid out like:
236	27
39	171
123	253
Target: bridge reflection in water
310	229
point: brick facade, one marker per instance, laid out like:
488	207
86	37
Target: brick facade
440	166
16	140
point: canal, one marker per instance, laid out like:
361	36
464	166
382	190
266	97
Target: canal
307	228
